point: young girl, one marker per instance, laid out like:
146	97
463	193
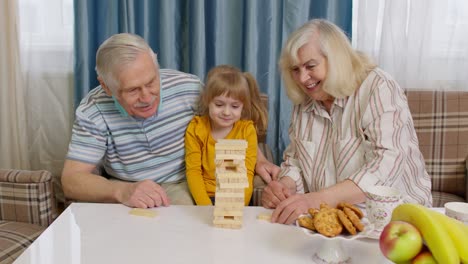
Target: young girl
230	108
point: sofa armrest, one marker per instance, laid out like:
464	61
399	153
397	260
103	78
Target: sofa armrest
27	196
258	182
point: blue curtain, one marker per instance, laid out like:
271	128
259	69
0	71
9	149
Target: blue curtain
195	35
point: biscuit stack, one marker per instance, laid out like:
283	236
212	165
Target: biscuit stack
332	222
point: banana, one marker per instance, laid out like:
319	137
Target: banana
434	234
457	231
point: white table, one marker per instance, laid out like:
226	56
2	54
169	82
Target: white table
107	233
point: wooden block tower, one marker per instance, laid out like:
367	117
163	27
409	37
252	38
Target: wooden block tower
231	181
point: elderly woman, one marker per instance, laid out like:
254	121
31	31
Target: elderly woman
351	128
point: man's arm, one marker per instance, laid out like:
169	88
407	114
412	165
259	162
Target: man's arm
80	183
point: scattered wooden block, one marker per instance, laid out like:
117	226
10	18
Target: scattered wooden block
143	212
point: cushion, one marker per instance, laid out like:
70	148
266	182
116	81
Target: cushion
15	237
441	123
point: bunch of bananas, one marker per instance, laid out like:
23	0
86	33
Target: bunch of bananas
446	238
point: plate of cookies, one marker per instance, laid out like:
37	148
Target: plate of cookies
346	221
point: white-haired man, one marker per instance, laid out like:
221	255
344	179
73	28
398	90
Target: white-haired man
132	126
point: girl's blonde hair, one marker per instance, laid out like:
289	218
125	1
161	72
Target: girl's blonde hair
230	81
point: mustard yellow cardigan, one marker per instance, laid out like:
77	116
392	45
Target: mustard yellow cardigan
200	154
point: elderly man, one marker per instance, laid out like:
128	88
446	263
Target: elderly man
132	126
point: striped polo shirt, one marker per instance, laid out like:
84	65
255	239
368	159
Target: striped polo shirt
368	137
135	149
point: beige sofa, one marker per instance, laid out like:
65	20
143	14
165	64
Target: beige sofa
441	123
27	207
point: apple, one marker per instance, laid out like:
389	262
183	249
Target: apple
400	241
424	257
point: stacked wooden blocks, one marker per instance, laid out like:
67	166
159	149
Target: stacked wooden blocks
231	180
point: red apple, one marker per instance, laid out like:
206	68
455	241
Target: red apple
424	257
400	241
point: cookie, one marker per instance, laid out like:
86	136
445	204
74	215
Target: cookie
313	211
348	225
358	211
306	222
324	206
353	218
327	223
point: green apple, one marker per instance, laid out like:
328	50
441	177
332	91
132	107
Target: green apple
424	257
400	241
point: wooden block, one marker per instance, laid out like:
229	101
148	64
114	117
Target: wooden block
234	185
229	195
264	216
229	222
229	157
143	212
229	200
225	143
228	213
230	226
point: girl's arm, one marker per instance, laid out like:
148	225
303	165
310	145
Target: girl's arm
193	165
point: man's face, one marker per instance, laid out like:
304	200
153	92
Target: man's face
139	88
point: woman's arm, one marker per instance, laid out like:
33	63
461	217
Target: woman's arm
290	209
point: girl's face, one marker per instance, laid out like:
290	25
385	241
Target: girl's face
224	111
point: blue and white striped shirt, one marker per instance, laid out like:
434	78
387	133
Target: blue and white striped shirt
135	149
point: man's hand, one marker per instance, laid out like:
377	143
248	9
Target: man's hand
144	194
267	170
274	193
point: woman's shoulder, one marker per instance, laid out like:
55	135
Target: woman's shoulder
376	79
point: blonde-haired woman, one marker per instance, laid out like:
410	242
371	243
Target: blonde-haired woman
350	128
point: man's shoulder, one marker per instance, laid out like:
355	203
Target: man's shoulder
95	100
170	77
94	97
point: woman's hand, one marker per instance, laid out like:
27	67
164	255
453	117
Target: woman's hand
277	191
274	193
290	209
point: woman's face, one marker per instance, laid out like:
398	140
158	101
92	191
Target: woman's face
311	71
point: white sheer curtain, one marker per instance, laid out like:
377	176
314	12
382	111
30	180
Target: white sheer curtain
13	123
36	78
422	43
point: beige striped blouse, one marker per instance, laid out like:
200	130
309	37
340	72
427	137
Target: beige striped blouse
368	138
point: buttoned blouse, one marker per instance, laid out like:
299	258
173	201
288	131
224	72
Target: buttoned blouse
368	138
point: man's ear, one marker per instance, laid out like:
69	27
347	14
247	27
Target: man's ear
104	86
